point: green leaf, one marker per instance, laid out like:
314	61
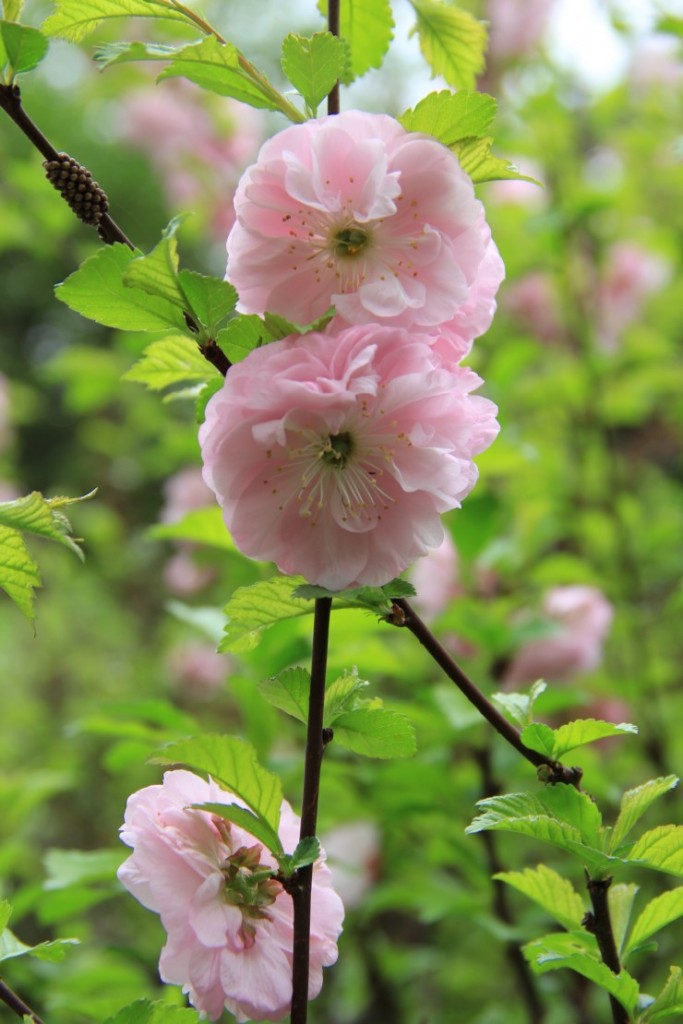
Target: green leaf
253	609
368	28
621	898
669	1002
452	41
556	951
200	403
210	298
24	47
635	803
477	160
280	327
11	946
76	867
232	762
42	516
215	66
5	913
658	913
12	9
451	116
96	291
76	19
519	706
539	737
241	335
660	849
19	574
307	852
555	894
586	730
343	695
157	272
375	732
313	65
200	526
374	599
171	361
289	692
252	823
121	53
145	1012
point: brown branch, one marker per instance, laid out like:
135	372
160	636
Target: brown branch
333	18
12	1000
600	924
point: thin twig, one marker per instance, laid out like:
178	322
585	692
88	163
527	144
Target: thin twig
315	746
599	923
12	1000
333	21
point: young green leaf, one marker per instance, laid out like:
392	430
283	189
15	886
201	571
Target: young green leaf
368	28
635	803
122	53
253	609
307	852
96	291
313	65
280	327
76	867
43	516
621	898
289	692
169	362
669	1002
157	272
519	706
452	41
24	47
252	823
658	913
241	336
210	298
202	399
215	66
375	732
343	695
232	762
12	9
145	1012
451	116
555	894
660	849
19	574
374	599
200	526
569	950
76	19
586	730
539	737
11	946
477	160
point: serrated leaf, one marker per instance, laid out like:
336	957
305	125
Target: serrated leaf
307	852
477	160
621	898
169	362
452	41
519	706
343	695
157	272
586	730
232	762
376	599
555	894
11	947
539	737
556	951
241	336
200	526
660	848
253	609
658	913
19	574
76	19
368	28
96	291
215	66
289	692
635	803
121	53
252	823
451	116
42	516
24	47
145	1012
278	326
200	403
210	298
75	867
313	65
669	1002
375	732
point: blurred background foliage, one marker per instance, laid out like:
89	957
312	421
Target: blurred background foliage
583	487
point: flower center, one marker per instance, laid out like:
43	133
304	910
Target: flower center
338	450
349	242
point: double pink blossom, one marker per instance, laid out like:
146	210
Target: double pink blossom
335	455
355	212
229	924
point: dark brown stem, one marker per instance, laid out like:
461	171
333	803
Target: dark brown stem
406	616
600	924
315	746
12	1000
333	8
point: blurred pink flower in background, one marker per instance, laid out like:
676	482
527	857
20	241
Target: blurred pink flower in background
185	492
533	301
353	853
230	931
630	276
199	144
656	63
436	579
355	212
583	616
515	192
515	26
335	455
6	432
197	670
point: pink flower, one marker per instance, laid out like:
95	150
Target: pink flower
184	492
355	212
516	26
435	578
631	275
533	301
334	455
229	931
353	850
583	616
